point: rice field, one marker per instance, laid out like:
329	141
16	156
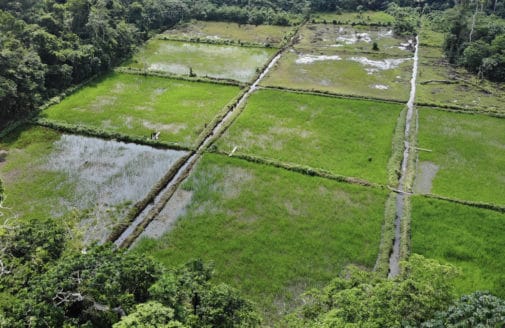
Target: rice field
358	75
466	154
203	60
467	237
266	35
354	39
48	174
345	137
271	233
439	84
138	105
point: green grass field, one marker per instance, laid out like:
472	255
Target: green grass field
357	75
468	150
138	105
272	233
346	137
224	31
365	18
352	39
467	237
217	61
465	90
48	174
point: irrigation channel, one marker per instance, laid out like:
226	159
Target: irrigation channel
394	259
152	210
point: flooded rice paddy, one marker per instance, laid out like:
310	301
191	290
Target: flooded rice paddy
217	61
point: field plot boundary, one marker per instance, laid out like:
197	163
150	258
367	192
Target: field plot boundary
98	133
305	170
222	42
330	94
387	236
168	75
462	110
137	226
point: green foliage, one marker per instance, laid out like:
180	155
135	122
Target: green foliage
406	19
363	299
47	47
477	42
150	315
479	309
103	286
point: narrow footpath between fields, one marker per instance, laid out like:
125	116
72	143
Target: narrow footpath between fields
402	195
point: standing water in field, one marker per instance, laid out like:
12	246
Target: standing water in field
394	265
151	212
108	176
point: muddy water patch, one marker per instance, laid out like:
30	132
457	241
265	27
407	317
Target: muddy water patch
425	174
373	66
107	174
309	59
164	222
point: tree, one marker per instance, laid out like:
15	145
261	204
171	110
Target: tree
150	315
363	299
479	309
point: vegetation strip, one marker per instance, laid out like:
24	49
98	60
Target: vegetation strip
138	225
305	170
93	132
488	206
217	42
387	236
331	94
207	79
148	199
460	109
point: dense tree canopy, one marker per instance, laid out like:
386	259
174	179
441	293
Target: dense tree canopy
42	286
363	299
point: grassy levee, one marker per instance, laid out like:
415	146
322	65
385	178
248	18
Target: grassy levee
467	237
397	145
306	170
387	236
272	233
344	137
98	133
328	93
142	204
406	229
467	152
205	79
137	105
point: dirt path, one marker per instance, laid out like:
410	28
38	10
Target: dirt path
394	265
151	212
